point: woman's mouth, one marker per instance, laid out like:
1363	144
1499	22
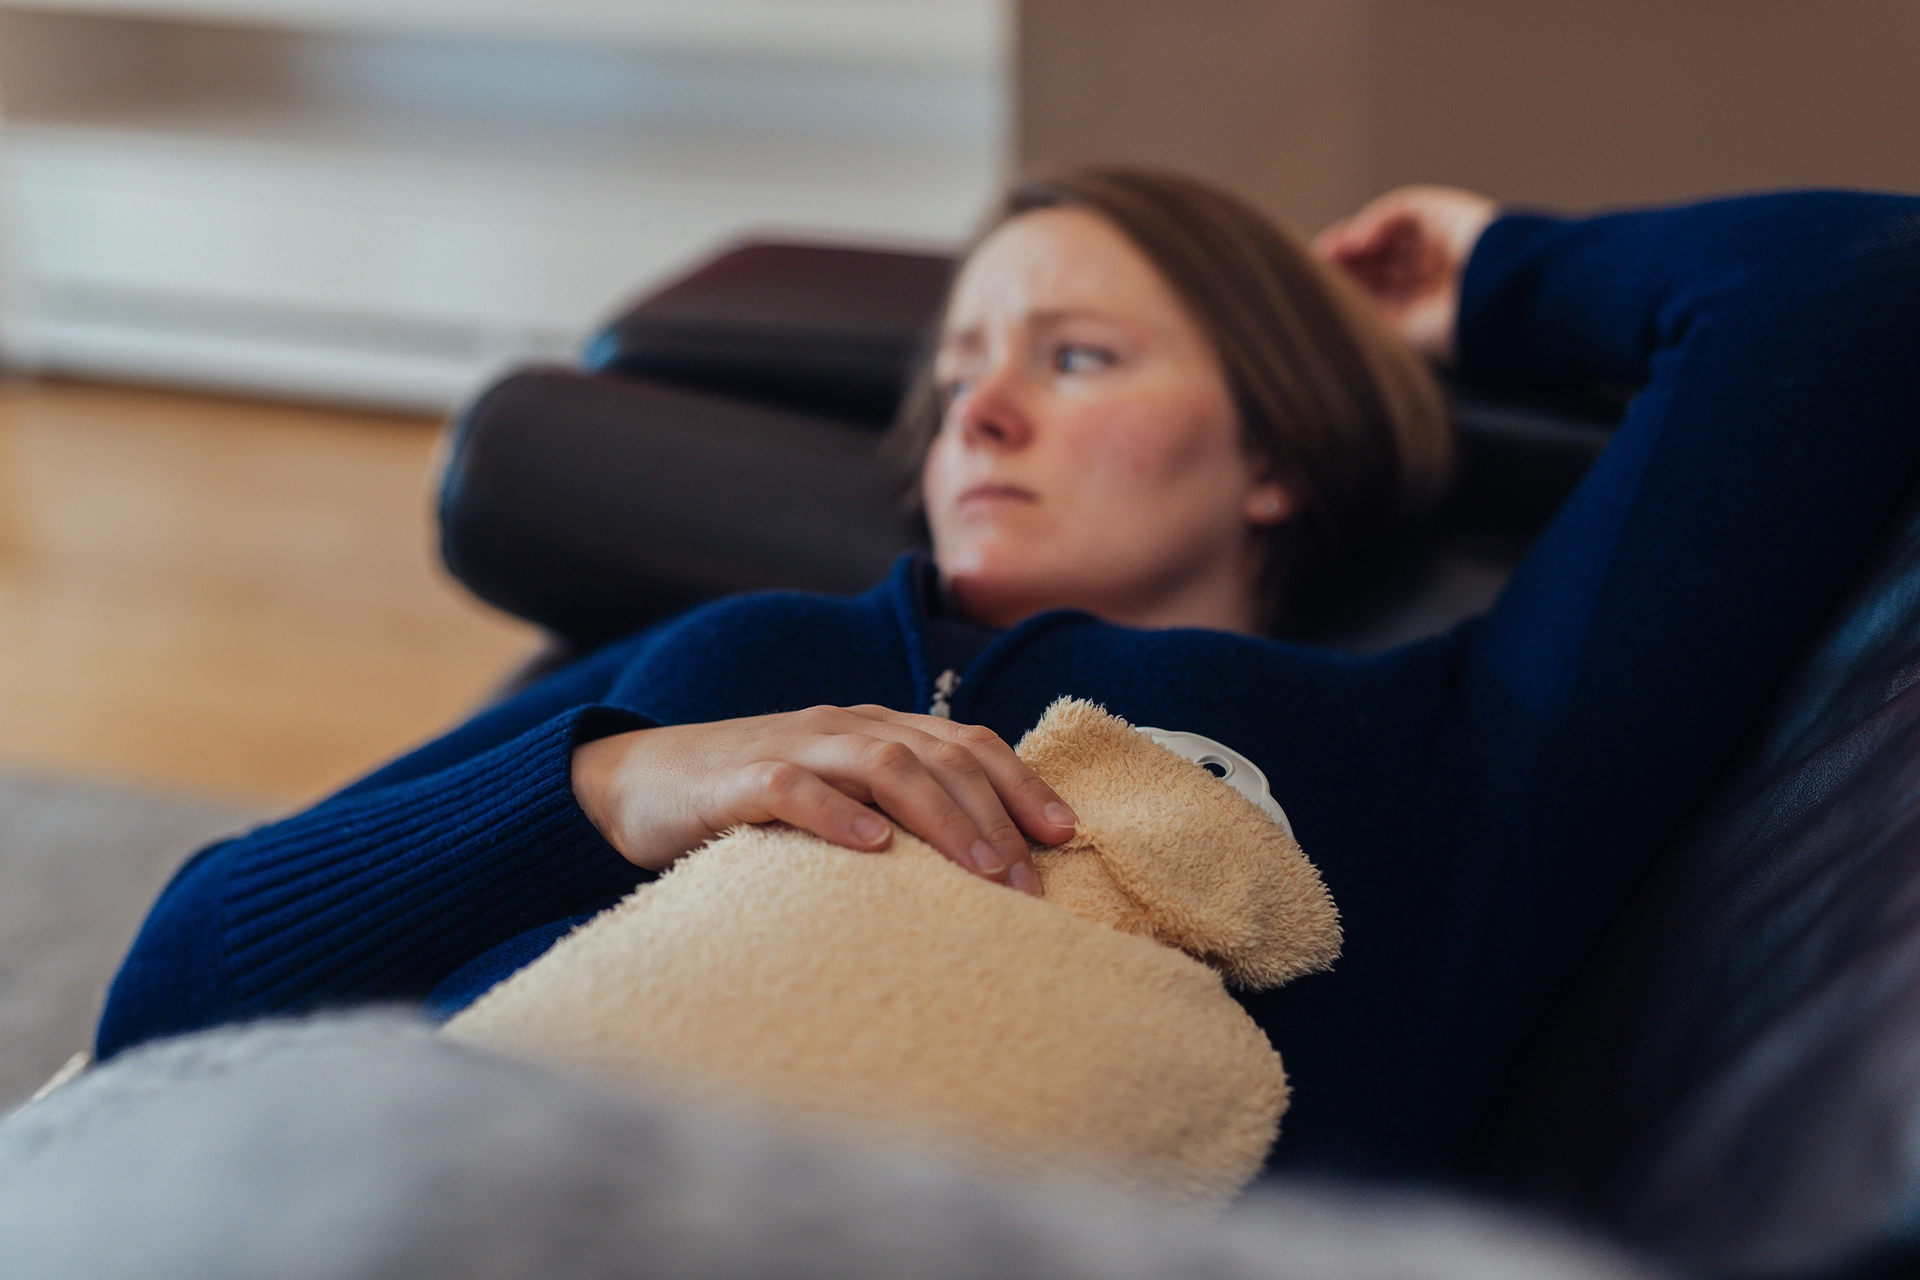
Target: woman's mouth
993	491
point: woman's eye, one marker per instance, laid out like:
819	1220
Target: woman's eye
949	391
1081	359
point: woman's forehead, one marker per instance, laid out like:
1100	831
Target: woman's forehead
1056	262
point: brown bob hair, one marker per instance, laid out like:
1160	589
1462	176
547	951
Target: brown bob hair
1342	410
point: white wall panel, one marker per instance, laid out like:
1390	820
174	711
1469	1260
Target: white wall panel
382	239
893	31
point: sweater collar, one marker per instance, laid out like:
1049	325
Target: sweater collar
908	588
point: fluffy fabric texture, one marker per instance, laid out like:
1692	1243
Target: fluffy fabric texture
896	989
1166	850
367	1148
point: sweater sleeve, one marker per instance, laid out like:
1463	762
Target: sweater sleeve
1773	437
382	890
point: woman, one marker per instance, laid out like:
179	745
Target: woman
1158	426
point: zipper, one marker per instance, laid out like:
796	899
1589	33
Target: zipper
943	690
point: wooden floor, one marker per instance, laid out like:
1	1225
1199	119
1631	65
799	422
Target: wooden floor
224	596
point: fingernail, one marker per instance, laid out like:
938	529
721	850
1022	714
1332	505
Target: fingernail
1059	815
1025	879
987	858
870	829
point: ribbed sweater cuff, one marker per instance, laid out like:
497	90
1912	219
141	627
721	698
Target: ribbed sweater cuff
382	894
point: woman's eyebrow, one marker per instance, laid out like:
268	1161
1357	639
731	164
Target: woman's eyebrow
969	338
1061	315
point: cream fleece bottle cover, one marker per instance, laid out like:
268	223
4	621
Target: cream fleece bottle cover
1088	1031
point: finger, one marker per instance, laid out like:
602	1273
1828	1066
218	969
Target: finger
963	776
1366	235
1036	807
1350	242
1022	794
1389	269
1332	238
781	791
896	779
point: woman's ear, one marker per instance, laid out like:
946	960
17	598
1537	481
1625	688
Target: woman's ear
1269	503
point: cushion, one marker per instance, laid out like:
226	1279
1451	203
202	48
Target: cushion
1736	1082
823	329
595	505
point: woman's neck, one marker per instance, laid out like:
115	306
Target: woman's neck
1215	603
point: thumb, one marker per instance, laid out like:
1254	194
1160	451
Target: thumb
1368	236
1333	239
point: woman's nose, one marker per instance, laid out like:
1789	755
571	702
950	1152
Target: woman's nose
994	414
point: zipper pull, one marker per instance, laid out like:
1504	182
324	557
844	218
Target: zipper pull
943	691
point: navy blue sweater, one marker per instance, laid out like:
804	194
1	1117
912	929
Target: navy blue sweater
1479	803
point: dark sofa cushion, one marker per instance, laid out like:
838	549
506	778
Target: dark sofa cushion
1736	1083
595	505
819	328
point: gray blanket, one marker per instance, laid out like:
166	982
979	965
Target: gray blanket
79	865
366	1147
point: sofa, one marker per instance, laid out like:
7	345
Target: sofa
1733	1085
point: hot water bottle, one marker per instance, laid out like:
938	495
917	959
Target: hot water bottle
1088	1031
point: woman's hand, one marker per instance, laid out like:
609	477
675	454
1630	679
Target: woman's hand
1408	250
656	794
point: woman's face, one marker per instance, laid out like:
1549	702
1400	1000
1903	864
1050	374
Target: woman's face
1089	455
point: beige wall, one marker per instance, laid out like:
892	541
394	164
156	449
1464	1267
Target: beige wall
1312	105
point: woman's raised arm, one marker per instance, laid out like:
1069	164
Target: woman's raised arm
1774	342
1773	345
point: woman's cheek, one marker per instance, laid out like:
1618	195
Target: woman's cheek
1142	448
